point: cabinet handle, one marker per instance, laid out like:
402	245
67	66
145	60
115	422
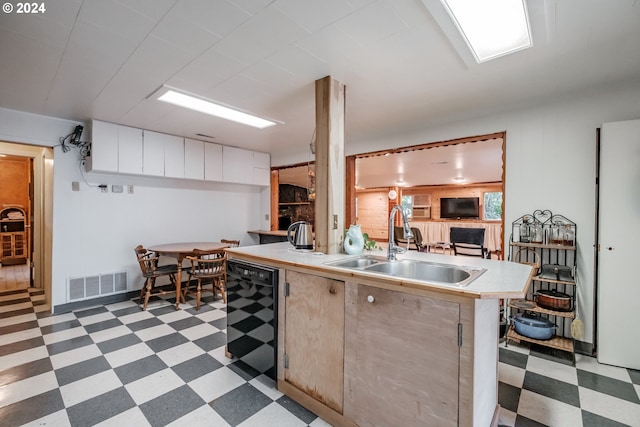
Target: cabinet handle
610	248
370	298
332	291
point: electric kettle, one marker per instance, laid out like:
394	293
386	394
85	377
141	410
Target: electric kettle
303	236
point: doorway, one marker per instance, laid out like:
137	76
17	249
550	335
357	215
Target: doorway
464	167
35	200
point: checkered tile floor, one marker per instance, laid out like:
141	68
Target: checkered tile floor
116	365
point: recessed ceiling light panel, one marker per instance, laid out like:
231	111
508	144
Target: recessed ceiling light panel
491	28
192	102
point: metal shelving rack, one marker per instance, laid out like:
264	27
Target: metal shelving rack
545	249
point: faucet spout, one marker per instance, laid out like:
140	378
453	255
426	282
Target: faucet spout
394	249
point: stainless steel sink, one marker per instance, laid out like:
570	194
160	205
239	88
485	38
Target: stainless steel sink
359	262
411	269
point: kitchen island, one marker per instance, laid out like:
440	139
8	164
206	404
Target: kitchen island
361	348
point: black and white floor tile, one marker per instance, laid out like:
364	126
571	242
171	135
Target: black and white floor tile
118	365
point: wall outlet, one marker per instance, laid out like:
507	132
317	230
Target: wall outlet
104	188
130	189
116	188
75	186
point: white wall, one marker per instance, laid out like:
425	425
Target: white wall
95	232
550	161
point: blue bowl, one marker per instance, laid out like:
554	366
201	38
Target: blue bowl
534	327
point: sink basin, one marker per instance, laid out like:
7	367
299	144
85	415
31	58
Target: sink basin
361	262
411	269
429	272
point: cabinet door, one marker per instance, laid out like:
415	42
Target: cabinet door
401	358
261	176
261	160
104	147
237	165
193	159
212	162
153	153
314	337
174	156
7	245
129	150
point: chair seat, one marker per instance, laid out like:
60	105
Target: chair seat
207	269
151	271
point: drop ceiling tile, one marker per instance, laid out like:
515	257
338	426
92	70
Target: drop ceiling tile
78	82
37	27
251	6
244	94
330	44
218	17
116	18
26	78
372	23
411	13
100	45
314	15
269	76
262	35
180	32
157	59
298	62
208	70
154	9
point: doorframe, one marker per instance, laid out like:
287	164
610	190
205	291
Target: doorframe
42	225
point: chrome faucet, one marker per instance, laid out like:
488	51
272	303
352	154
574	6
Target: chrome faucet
393	249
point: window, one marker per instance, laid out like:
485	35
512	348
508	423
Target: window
493	205
407	205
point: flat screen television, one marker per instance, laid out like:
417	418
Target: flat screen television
460	207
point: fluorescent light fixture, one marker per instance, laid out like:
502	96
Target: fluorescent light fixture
491	28
192	102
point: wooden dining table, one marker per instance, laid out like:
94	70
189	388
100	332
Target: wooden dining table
180	251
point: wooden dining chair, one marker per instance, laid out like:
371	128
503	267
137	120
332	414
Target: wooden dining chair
207	268
231	243
148	261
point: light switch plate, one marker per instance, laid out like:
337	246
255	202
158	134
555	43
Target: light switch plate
75	186
116	188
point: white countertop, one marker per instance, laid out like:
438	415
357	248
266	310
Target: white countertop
503	279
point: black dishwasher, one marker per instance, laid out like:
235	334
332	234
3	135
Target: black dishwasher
252	315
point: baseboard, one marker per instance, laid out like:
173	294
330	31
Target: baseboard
582	347
93	302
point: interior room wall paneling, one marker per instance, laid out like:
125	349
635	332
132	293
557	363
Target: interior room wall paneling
373	208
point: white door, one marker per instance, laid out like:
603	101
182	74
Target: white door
619	225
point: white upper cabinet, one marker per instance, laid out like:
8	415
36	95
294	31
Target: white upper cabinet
153	153
174	156
193	159
212	162
237	165
261	168
104	147
129	150
123	149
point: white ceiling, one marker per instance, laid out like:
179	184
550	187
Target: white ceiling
101	59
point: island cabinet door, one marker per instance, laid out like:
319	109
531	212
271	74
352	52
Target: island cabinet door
314	337
401	358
